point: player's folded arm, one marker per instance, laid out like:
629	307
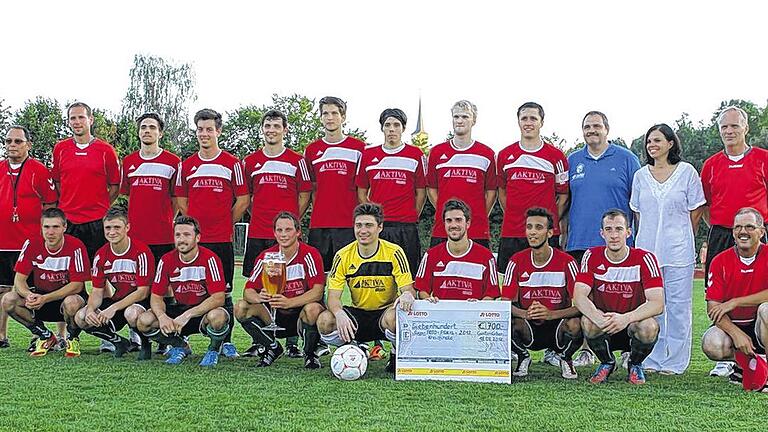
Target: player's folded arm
73	287
216	300
653	306
20	285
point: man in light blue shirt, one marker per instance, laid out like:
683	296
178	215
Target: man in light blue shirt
600	177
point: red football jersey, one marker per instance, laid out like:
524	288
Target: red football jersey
464	174
125	272
275	183
619	287
54	269
472	275
531	179
392	177
551	284
729	186
303	271
730	277
33	188
332	168
211	185
191	282
149	183
85	174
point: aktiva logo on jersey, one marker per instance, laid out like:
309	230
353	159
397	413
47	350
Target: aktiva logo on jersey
551	295
616	288
469	175
191	288
338	166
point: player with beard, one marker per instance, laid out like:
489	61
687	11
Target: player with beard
619	292
458	269
298	307
194	274
539	281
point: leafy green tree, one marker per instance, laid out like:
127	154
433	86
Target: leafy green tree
46	123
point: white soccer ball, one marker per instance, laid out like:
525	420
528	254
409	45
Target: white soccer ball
349	363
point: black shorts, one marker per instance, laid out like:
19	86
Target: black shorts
619	341
405	235
7	262
226	253
159	250
749	329
119	320
194	325
577	254
91	234
253	247
289	320
545	335
367	322
434	241
328	241
53	311
509	246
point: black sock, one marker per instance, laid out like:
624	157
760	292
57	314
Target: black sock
639	351
311	338
73	332
230	308
572	344
518	349
175	341
107	333
599	346
39	329
217	338
253	326
145	344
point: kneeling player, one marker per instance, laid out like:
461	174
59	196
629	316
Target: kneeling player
59	264
619	291
539	281
737	295
128	266
195	277
374	270
458	269
298	307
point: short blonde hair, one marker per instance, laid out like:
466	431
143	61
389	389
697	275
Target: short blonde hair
465	105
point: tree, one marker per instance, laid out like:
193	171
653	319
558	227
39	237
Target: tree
158	85
46	123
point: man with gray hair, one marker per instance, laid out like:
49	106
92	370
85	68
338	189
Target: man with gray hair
732	179
465	169
737	294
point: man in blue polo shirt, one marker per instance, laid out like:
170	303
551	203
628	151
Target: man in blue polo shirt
600	176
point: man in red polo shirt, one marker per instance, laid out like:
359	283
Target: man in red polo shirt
465	169
26	188
737	294
87	174
332	162
392	174
619	291
209	182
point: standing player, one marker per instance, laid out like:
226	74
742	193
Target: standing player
458	269
149	176
26	188
87	174
298	307
125	265
463	168
737	296
732	179
375	271
392	175
332	162
59	265
209	182
540	281
533	173
619	291
194	274
278	180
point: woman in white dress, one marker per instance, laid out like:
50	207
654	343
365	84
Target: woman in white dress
667	199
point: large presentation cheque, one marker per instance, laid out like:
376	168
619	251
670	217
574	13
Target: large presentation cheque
455	340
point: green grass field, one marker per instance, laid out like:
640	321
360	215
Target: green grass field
97	392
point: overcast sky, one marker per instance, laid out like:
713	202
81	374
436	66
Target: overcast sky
640	63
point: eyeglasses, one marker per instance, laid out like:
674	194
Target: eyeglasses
747	228
14	141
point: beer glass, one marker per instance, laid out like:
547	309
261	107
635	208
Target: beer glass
273	280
